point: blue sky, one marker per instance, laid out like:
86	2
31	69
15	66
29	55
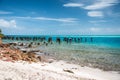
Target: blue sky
60	17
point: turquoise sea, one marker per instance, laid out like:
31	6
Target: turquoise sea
94	51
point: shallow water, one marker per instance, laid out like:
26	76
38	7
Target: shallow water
91	55
102	52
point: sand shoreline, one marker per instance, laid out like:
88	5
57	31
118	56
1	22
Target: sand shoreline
17	66
58	70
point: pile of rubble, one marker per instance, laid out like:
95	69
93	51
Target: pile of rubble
11	54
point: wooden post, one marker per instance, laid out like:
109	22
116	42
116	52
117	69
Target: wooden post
1	36
0	40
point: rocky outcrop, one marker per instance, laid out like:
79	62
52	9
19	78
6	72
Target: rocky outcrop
11	54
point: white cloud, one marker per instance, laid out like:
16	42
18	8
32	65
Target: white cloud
98	21
73	5
95	5
21	17
95	14
51	19
105	30
57	19
101	4
5	12
93	29
8	24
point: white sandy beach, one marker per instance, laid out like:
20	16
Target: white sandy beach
52	71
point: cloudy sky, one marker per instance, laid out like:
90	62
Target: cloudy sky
60	17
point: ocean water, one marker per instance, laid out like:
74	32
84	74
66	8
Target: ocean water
94	51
